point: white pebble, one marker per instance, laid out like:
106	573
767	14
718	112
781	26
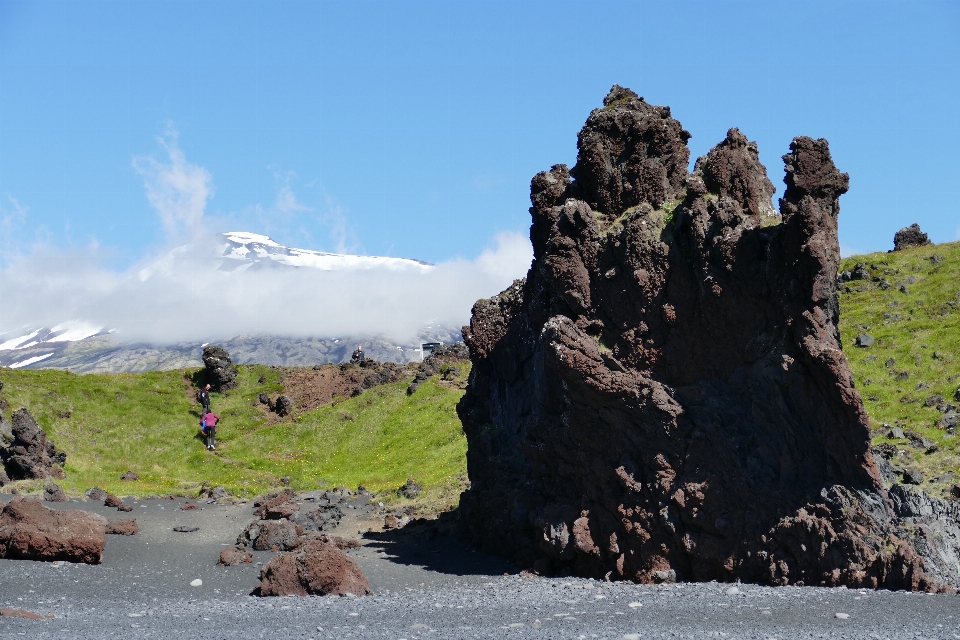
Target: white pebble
196	583
353	614
843	616
732	591
631	636
634	605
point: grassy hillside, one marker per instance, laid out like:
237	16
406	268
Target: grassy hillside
148	423
910	305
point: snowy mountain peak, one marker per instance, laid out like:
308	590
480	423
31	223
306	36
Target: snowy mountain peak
246	250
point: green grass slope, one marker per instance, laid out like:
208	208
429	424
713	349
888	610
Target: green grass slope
911	307
148	423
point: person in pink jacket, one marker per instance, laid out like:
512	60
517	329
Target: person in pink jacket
209	427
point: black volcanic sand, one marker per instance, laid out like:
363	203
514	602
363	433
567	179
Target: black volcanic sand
438	588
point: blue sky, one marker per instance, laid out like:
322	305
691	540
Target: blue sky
413	128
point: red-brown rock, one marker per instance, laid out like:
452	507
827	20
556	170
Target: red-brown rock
235	555
665	397
22	613
277	506
126	527
31	531
315	568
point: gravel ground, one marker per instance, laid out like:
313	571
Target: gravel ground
439	588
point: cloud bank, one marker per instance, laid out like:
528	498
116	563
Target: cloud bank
183	294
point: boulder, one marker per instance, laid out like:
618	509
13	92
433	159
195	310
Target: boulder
213	493
410	489
315	568
283	405
234	555
910	236
865	340
112	501
54	493
126	527
96	493
31	531
29	454
219	370
130	476
666	389
276	505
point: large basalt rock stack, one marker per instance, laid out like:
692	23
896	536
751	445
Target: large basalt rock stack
220	372
664	397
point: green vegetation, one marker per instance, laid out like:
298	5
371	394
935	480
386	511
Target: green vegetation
911	307
148	423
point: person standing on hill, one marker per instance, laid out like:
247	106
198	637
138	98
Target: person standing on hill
203	397
358	355
209	427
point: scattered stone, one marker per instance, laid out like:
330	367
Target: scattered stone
234	555
196	583
910	236
316	568
896	432
263	397
189	506
29	454
933	401
865	340
949	420
96	493
126	527
391	522
842	616
324	517
31	531
130	476
22	613
410	489
664	576
186	529
284	405
272	535
262	379
54	493
112	501
912	476
921	386
285	481
955	490
219	370
213	493
125	507
890	362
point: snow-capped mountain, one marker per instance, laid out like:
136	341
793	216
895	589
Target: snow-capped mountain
245	250
84	347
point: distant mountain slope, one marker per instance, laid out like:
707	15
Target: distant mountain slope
908	303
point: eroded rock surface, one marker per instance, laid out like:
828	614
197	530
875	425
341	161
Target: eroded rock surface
317	567
911	236
29	454
664	397
31	531
220	372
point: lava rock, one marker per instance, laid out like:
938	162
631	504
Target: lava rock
410	489
212	493
219	370
316	568
130	476
112	501
126	527
865	340
30	454
186	529
54	493
284	405
31	531
684	415
910	236
275	535
949	420
323	518
234	555
96	493
445	354
276	506
912	476
263	397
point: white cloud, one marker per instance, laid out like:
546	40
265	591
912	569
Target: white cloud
182	296
177	189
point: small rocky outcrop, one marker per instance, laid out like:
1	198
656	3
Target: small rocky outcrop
130	476
212	493
29	454
31	531
96	494
232	556
910	236
218	368
125	527
276	505
271	535
283	405
318	568
664	396
438	361
410	489
53	492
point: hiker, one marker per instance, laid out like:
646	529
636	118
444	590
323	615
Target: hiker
358	355
203	397
208	425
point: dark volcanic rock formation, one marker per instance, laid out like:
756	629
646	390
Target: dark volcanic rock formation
220	372
910	236
29	454
664	396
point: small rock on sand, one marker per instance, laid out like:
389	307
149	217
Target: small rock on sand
196	583
126	527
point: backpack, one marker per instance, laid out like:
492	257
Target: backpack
203	425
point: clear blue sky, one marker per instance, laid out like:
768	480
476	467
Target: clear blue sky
413	128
